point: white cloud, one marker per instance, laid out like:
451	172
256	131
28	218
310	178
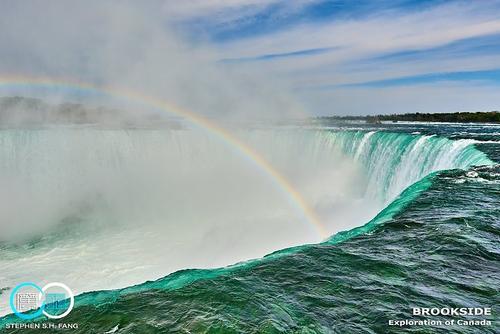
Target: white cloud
358	39
383	33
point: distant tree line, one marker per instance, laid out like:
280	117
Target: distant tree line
19	111
456	117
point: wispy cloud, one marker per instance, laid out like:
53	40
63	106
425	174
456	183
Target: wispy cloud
394	44
383	32
488	77
272	56
225	18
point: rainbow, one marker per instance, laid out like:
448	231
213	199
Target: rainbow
10	81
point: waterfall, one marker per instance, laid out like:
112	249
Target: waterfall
119	207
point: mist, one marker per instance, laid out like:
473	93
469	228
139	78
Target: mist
135	47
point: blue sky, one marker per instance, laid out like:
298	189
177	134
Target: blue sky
358	57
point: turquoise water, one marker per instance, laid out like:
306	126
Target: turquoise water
433	244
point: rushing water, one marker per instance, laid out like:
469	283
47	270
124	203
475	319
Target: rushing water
413	223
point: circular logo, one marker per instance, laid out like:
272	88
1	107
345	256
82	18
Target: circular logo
22	302
28	296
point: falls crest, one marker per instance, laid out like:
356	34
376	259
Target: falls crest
394	161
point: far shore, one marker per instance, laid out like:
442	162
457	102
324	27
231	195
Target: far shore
456	117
